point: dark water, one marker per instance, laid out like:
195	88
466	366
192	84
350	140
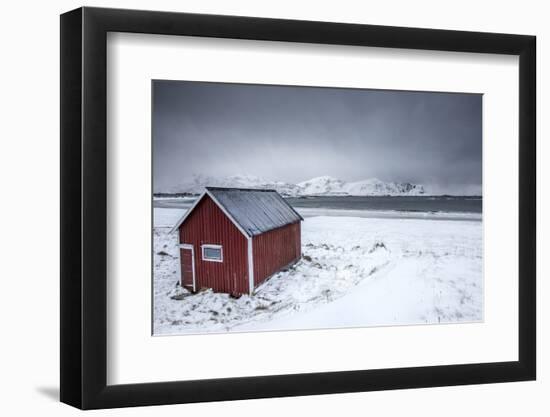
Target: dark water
403	204
399	204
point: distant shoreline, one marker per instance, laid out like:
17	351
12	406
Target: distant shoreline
390	207
166	196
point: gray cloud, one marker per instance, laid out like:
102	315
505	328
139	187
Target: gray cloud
295	133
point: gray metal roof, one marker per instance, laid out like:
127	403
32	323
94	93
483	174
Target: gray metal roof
255	210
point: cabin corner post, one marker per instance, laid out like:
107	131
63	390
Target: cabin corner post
250	244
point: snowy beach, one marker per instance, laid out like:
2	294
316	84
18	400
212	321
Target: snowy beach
356	269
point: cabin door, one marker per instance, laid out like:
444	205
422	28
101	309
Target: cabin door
187	267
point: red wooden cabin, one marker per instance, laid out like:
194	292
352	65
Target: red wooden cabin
233	239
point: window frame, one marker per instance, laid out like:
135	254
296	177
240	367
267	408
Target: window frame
211	246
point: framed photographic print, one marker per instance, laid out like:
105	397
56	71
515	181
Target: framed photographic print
257	208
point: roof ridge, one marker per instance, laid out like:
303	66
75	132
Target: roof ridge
255	210
241	189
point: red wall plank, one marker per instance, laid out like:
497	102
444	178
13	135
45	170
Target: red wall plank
207	224
275	249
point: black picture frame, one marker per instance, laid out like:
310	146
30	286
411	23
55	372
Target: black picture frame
84	207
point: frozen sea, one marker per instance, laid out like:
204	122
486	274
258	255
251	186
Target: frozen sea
366	262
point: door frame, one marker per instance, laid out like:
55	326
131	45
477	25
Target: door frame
190	247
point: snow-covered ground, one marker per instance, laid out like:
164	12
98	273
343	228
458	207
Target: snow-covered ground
354	272
167	217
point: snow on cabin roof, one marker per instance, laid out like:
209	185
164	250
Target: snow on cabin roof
255	210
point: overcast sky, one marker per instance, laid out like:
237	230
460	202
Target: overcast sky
295	133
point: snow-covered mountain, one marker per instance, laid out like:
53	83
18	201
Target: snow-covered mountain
198	182
374	186
326	185
318	186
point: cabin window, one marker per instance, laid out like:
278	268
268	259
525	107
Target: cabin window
212	253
